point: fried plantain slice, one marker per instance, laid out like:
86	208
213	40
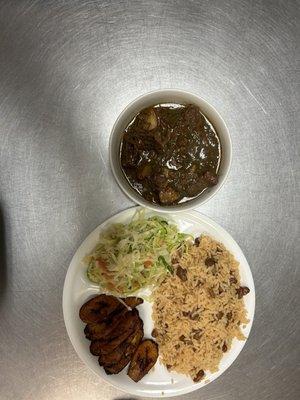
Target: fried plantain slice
97	345
119	335
124	331
98	308
143	359
102	330
125	349
132	301
102	306
116	368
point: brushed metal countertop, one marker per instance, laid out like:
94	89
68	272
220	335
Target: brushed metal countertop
67	69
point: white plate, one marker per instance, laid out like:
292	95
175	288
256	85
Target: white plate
77	290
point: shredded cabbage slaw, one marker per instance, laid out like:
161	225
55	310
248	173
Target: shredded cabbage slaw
129	257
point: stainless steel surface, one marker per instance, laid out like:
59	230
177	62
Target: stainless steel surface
67	69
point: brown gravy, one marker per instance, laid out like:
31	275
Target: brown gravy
170	153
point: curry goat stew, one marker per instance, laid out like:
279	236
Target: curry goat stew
170	153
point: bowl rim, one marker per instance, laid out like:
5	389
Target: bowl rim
190	204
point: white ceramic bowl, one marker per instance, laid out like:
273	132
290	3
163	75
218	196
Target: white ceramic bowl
169	96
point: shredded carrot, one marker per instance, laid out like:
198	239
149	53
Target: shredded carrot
148	263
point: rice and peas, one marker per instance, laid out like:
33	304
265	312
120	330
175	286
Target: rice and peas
199	310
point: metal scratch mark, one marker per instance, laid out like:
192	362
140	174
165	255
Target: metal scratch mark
252	95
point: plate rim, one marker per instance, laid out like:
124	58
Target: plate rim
205	219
